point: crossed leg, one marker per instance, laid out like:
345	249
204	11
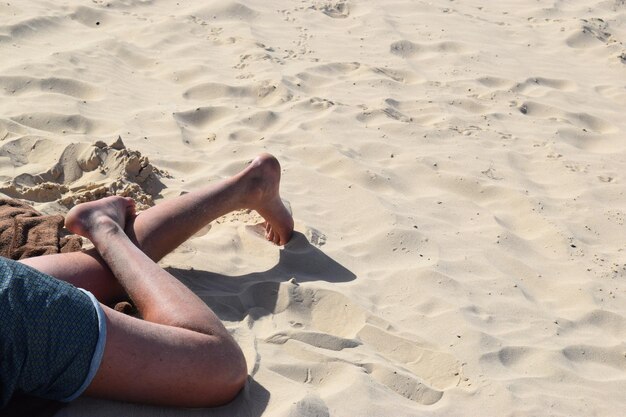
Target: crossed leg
160	229
180	354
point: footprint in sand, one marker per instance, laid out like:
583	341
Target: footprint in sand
89	16
592	32
615	93
202	117
264	94
397	75
193	124
59	123
20	85
310	406
330	323
540	86
226	11
261	120
408	49
596	362
420	113
439	370
580	119
523	361
335	9
404	383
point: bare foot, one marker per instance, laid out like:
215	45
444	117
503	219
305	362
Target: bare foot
262	177
105	215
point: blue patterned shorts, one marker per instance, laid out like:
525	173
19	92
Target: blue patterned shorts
52	335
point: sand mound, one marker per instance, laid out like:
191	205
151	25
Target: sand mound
80	172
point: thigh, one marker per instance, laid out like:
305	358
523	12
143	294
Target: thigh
150	363
81	269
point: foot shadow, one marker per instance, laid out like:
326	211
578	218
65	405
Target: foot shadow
231	297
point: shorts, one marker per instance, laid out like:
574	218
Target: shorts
52	335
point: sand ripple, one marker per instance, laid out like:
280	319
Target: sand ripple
456	171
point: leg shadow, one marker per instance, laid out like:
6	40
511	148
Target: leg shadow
231	297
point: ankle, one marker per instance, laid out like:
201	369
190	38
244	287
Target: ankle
253	192
259	182
103	228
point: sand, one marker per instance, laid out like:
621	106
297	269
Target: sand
455	170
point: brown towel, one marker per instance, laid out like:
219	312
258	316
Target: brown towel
24	232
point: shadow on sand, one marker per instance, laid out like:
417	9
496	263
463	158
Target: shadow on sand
231	297
251	402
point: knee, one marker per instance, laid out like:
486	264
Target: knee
229	375
236	376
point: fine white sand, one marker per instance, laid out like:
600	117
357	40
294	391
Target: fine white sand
456	171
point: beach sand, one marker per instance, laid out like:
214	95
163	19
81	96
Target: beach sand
456	170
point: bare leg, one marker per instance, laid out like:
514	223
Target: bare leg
256	187
181	354
162	228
